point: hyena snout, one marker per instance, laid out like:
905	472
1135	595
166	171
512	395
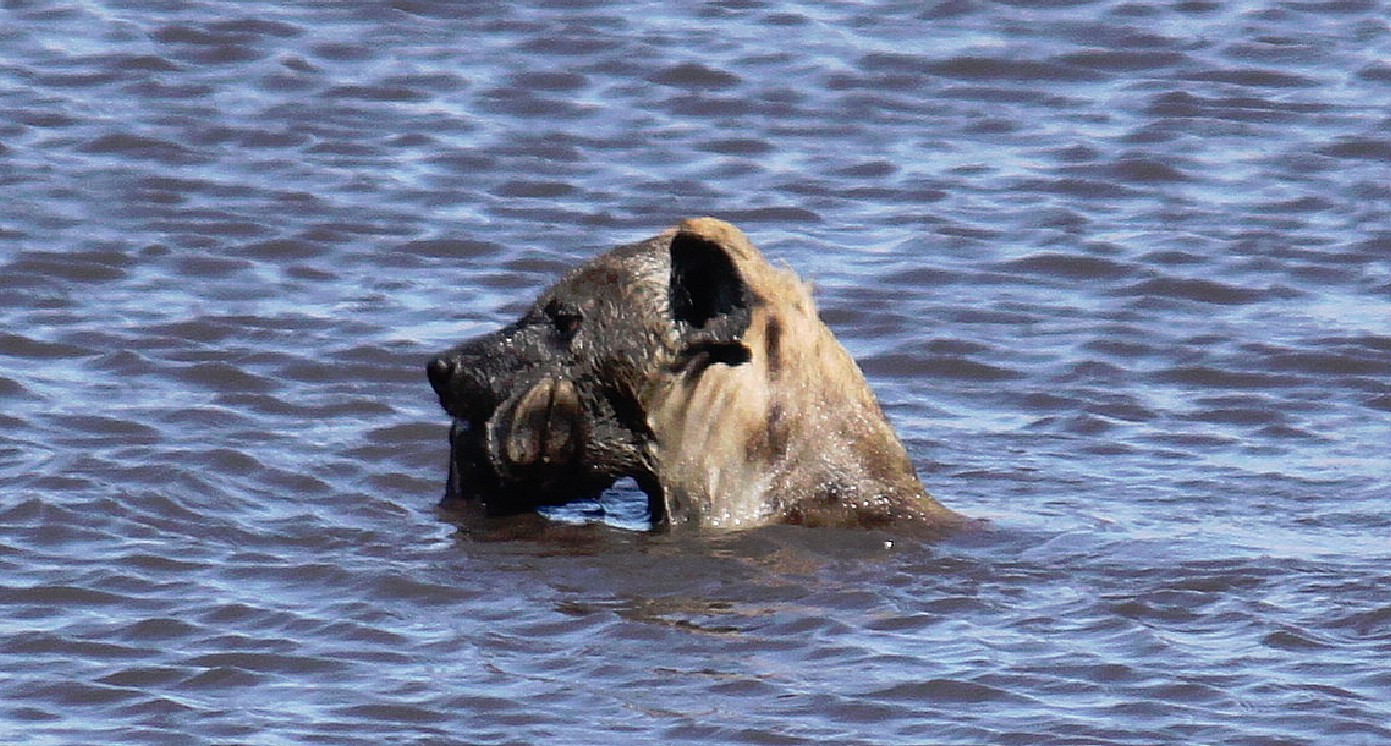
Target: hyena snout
467	389
459	391
519	429
441	373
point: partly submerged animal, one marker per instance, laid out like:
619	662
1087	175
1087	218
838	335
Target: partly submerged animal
690	364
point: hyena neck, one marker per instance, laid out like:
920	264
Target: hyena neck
790	434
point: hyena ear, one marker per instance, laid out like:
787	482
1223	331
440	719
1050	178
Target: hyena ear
710	299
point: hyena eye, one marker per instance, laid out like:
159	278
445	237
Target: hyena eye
567	320
567	324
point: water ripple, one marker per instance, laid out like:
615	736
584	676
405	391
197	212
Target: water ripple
1115	270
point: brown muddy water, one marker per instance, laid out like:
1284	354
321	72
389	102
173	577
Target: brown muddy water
1118	270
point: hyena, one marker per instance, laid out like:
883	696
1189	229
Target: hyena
690	364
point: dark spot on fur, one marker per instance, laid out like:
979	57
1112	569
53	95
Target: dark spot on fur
696	358
778	430
770	443
618	393
773	343
725	353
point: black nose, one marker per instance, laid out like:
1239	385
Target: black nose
440	370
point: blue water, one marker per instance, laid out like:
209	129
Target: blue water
1117	270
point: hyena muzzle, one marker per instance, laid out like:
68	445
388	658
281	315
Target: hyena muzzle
690	364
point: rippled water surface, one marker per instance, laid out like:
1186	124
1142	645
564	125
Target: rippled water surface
1118	270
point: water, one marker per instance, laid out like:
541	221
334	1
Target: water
1118	271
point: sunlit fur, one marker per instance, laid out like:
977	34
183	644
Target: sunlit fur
792	435
689	364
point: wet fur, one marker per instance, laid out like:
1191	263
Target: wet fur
792	435
698	369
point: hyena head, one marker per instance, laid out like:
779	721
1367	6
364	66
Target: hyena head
552	408
690	364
